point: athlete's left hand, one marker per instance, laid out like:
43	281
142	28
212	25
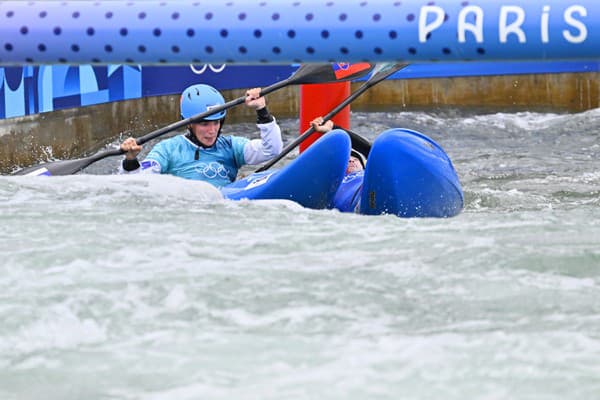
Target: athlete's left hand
254	99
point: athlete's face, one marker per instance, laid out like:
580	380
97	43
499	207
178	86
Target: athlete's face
206	131
353	165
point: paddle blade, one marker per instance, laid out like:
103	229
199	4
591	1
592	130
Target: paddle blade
330	73
384	70
66	167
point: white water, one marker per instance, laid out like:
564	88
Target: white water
155	288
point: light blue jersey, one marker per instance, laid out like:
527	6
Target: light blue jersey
347	198
217	165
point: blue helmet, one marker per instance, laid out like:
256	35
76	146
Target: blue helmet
200	98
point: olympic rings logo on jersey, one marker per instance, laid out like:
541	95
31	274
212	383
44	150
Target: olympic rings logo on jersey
201	70
212	170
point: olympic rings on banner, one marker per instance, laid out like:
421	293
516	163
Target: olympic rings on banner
202	69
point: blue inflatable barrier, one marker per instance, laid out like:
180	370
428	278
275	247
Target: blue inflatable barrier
278	32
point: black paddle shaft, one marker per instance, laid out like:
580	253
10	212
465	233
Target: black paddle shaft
306	74
377	77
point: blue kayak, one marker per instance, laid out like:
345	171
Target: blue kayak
311	180
408	175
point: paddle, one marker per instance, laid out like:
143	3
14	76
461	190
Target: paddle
306	74
380	72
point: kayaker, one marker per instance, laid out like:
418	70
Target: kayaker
203	153
347	198
357	160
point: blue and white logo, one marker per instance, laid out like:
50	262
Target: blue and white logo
212	170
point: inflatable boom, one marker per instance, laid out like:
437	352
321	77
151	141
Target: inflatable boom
292	31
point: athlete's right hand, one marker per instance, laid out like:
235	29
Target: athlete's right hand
131	148
320	126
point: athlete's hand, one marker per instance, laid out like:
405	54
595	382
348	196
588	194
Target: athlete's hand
131	148
255	100
320	126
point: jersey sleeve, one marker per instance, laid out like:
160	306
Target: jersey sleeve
156	162
145	167
268	146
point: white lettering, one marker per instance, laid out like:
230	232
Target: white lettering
544	24
580	26
201	70
424	28
464	26
511	21
513	28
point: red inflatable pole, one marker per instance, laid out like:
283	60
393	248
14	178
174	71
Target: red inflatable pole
318	100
